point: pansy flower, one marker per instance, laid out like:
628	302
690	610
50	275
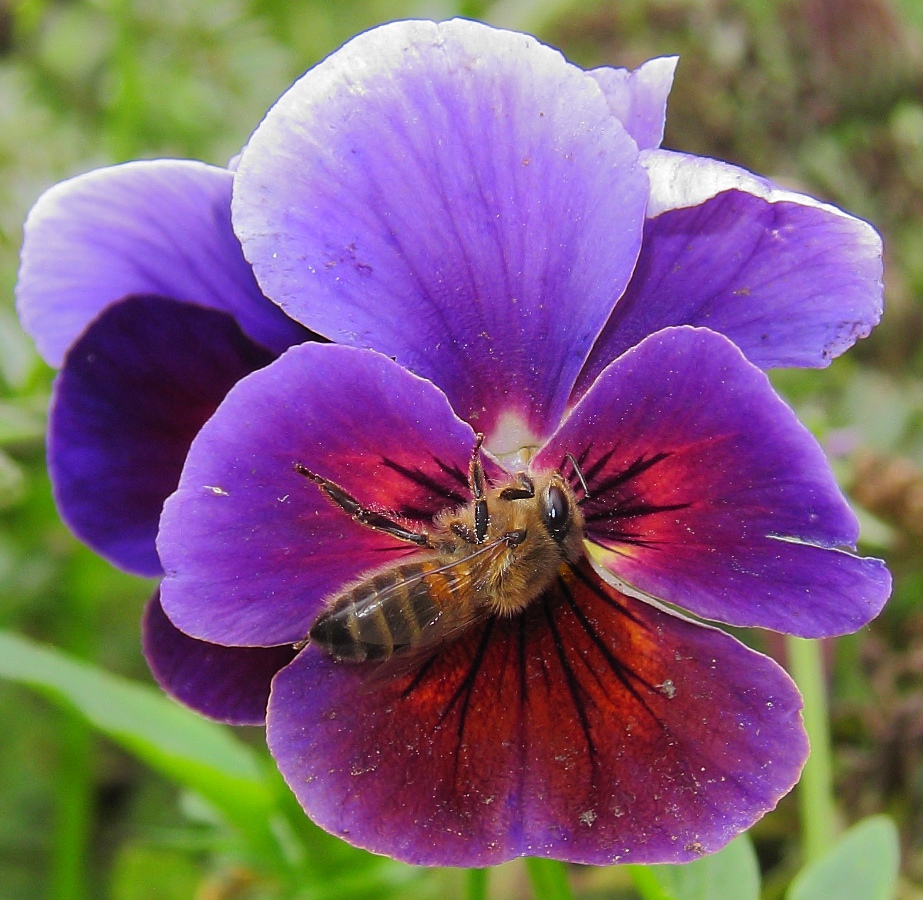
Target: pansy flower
494	245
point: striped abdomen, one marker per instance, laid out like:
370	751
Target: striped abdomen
406	607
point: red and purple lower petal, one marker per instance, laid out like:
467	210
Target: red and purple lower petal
157	227
593	728
251	547
230	684
706	491
456	197
791	281
133	392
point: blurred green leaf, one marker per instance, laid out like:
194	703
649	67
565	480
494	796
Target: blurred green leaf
862	866
732	872
153	873
12	482
21	423
190	750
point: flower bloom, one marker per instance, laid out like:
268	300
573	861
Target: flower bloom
493	243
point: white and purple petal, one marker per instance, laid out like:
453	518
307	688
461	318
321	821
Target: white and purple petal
456	197
791	281
132	394
250	546
638	97
706	491
229	684
158	227
593	728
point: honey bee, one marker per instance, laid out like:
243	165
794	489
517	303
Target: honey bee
491	557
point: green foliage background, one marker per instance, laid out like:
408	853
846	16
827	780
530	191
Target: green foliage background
823	95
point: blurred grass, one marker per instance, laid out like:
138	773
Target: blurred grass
823	95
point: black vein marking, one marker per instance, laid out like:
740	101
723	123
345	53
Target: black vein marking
625	537
422	672
467	686
523	705
467	683
600	595
611	658
403	549
426	481
523	660
636	510
591	472
453	472
573	684
638	467
626	676
414	513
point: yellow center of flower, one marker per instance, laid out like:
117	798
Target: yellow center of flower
511	442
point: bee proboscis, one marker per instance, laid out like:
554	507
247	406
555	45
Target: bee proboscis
490	557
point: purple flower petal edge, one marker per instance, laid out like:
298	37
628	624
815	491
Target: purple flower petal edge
134	390
250	546
791	281
592	728
156	227
638	98
425	191
706	491
229	684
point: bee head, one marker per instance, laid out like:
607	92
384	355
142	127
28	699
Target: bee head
556	512
561	516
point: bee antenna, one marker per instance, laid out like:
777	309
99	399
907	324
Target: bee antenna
304	470
579	474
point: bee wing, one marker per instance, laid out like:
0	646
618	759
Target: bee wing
448	619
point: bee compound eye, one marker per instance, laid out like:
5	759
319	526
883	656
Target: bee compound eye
556	513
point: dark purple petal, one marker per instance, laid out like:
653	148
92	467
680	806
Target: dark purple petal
706	491
593	728
456	197
251	547
134	390
638	98
791	281
159	227
230	684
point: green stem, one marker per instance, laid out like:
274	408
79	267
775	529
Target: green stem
815	792
74	781
476	884
73	792
548	878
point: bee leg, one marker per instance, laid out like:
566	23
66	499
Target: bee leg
476	481
364	516
468	535
515	538
526	491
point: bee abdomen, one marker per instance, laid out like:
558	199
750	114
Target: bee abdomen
384	614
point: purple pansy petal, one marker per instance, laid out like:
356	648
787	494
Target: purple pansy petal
793	282
457	197
159	227
134	390
230	684
593	728
251	547
706	491
638	98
